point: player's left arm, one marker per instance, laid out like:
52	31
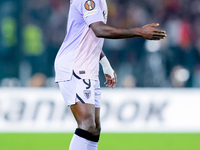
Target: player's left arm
110	75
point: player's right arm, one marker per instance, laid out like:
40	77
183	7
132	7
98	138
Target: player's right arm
110	75
103	30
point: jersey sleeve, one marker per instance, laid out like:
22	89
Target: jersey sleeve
90	10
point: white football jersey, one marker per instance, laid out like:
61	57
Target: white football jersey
80	50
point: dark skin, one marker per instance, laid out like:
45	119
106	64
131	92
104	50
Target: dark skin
86	115
148	32
110	82
103	30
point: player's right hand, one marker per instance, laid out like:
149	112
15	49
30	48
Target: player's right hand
111	82
150	33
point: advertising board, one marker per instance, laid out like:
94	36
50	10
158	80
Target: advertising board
122	110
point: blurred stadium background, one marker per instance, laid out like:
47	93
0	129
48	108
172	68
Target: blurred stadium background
156	103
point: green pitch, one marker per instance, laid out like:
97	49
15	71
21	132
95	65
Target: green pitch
108	141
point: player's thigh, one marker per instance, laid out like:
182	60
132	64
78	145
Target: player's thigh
84	114
97	120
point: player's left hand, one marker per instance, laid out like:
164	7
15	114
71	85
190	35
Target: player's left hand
149	32
111	82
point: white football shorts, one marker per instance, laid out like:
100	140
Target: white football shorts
83	90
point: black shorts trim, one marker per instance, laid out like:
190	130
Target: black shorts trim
80	99
76	75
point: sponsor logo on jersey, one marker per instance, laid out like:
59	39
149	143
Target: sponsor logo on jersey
87	93
89	5
90	13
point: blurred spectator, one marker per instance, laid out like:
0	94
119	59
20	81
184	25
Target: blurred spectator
179	76
33	47
10	82
32	32
8	40
196	77
38	80
128	81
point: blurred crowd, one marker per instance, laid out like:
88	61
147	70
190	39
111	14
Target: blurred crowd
31	32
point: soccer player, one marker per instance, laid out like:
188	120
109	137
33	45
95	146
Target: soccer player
77	65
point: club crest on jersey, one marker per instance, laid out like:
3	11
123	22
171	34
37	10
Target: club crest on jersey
89	5
87	93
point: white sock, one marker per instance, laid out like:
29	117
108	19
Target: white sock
92	145
83	140
78	143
